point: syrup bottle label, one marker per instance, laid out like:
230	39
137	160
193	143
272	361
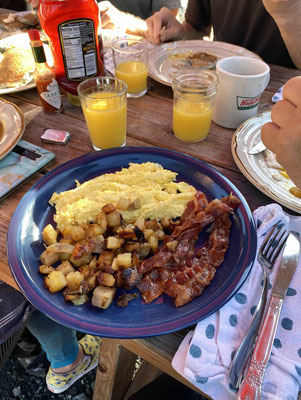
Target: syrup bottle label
52	96
78	47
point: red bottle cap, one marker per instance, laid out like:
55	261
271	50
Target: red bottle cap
34	34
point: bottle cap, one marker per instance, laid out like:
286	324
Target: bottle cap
34	34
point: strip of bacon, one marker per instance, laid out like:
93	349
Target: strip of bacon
190	227
153	283
190	280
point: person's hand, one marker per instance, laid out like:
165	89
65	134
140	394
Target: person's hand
283	135
282	10
110	16
163	26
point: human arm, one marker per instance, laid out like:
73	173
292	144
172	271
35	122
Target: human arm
283	135
114	18
287	16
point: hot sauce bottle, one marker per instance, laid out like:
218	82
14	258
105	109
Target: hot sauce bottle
72	30
44	76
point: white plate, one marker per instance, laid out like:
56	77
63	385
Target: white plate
20	40
12	126
254	167
160	65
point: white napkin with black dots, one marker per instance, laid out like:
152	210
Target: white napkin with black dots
205	354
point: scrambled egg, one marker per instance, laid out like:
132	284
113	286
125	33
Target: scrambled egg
153	185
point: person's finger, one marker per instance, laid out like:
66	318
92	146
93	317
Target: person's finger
282	113
150	26
292	90
105	20
157	24
269	136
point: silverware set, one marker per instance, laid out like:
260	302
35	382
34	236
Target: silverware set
247	368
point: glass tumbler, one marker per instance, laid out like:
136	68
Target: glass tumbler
104	105
194	93
130	60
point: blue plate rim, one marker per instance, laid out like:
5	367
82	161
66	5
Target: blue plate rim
127	332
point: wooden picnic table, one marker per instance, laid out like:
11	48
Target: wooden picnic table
149	124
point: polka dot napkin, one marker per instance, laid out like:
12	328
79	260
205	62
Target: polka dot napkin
205	354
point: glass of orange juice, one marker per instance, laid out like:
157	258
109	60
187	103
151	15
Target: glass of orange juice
130	60
104	104
194	94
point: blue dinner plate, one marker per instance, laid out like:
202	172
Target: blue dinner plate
137	319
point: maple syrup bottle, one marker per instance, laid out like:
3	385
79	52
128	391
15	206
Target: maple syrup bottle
44	76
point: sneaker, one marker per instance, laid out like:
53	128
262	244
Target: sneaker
58	383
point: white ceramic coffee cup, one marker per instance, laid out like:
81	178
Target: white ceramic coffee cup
241	83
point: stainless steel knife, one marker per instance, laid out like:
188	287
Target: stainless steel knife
258	148
250	388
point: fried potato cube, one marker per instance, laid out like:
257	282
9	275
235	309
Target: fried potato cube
49	235
160	234
45	269
108	208
130	247
165	221
144	249
77	233
148	233
135	205
105	259
74	279
78	262
49	257
93	263
153	242
65	267
105	279
140	223
114	219
114	265
153	224
80	300
92	281
94	230
172	245
67	232
113	243
102	220
86	271
124	260
123	204
55	281
103	296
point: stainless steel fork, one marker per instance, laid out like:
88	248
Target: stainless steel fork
267	255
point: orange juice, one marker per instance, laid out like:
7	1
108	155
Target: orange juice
191	119
105	115
134	73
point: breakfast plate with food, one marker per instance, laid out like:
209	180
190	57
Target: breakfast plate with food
262	169
16	64
168	58
11	126
126	242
